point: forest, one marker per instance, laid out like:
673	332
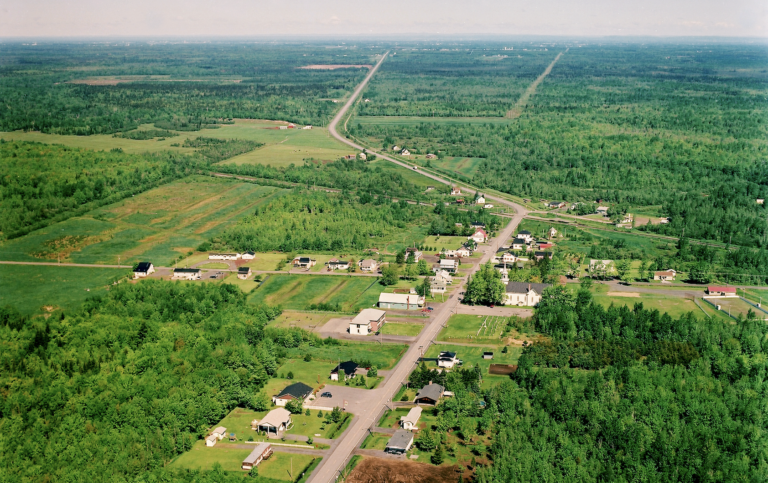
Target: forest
662	399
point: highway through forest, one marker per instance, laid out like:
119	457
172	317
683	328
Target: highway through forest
332	465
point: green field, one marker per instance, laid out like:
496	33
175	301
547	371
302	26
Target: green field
445	242
393	328
383	356
30	287
158	225
314	373
299	291
735	307
304	320
473	355
473	329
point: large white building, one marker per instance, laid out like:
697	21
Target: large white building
401	301
368	321
524	294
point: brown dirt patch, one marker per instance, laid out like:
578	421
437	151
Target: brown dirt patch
335	66
623	294
502	369
379	470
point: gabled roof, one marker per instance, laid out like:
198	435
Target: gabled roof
665	274
518	241
244	270
276	417
400	440
524	287
186	270
349	368
400	298
447	355
249	253
304	259
716	288
143	267
413	415
367	315
523	232
259	450
220	430
297	390
431	391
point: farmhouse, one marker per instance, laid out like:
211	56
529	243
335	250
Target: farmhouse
249	255
261	452
525	235
215	436
429	394
602	210
400	442
304	262
447	359
480	236
721	291
338	265
143	269
224	256
524	294
348	368
275	421
449	266
295	392
400	301
666	275
367	321
455	191
243	273
505	257
368	265
480	200
437	285
409	422
186	273
405	152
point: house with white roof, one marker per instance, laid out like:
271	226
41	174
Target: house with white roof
400	301
367	321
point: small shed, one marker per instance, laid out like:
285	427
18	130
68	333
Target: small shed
487	355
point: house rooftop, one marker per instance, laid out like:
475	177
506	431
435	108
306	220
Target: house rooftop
400	298
518	241
259	450
413	416
431	391
244	270
276	417
717	288
400	440
368	315
297	390
524	287
186	270
143	267
349	368
447	355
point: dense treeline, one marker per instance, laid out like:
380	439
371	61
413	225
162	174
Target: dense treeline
215	150
42	183
197	83
128	382
664	400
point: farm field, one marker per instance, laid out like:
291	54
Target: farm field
474	329
29	288
297	292
158	225
393	328
674	306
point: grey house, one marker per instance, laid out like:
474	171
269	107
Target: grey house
400	442
429	394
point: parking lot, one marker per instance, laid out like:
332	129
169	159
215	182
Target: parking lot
356	398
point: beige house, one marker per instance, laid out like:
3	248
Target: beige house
663	276
275	422
367	321
261	452
243	273
295	392
215	436
304	262
410	421
186	274
368	265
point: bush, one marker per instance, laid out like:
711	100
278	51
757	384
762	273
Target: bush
289	375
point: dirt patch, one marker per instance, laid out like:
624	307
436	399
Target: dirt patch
502	369
336	66
623	294
100	82
376	470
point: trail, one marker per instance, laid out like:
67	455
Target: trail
515	112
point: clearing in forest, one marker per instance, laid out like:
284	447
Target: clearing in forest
523	100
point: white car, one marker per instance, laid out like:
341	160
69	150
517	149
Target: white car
488	206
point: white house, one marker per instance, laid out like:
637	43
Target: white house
347	368
143	269
261	452
249	255
243	273
665	275
480	236
400	442
224	256
449	265
413	252
400	301
525	235
463	252
335	264
405	152
367	321
307	127
525	294
602	210
552	232
304	262
215	436
396	148
480	200
410	421
519	244
186	274
455	190
447	359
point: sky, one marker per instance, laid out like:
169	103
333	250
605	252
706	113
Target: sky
270	18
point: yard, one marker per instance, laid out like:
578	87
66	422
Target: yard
383	356
444	242
391	418
477	329
298	292
33	289
394	328
734	307
239	422
304	320
472	356
376	441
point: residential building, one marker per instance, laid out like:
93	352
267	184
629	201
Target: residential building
413	252
540	255
557	204
261	452
275	422
186	274
519	244
721	291
367	321
400	301
601	267
437	285
410	421
304	262
335	264
429	394
463	252
552	232
478	224
143	269
665	275
431	156
211	440
487	355
224	256
444	275
524	294
368	265
396	148
545	246
525	235
449	253
243	273
447	359
504	256
296	391
362	156
400	442
602	210
455	191
348	369
480	236
405	152
216	436
480	200
449	265
249	255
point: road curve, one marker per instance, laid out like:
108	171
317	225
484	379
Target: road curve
335	461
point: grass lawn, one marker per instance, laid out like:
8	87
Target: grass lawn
391	418
267	261
245	285
383	356
376	441
297	292
473	329
393	328
158	225
473	356
215	265
735	306
444	242
312	373
278	466
674	306
30	287
201	457
304	320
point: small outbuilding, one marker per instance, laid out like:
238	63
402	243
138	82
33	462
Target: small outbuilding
665	275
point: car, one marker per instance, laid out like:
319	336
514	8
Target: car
430	309
492	306
326	394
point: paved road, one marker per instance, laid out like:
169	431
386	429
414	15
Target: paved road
334	462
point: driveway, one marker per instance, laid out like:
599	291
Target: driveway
357	399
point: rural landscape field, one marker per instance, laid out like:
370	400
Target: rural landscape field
381	259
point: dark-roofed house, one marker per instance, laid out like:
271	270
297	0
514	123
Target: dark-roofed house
447	359
540	255
186	273
143	269
243	273
249	255
338	265
519	244
400	442
524	293
429	394
295	392
304	262
347	368
525	235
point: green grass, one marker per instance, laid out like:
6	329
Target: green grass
410	175
445	242
267	261
158	225
376	441
297	292
30	287
674	306
469	329
473	356
736	306
278	466
391	418
393	328
314	373
304	320
201	457
383	356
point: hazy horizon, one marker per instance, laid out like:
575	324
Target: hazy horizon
86	19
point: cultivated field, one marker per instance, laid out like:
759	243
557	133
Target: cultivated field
299	291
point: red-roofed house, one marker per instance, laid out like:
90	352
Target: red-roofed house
480	236
721	291
667	275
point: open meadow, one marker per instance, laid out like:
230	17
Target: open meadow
475	329
300	291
